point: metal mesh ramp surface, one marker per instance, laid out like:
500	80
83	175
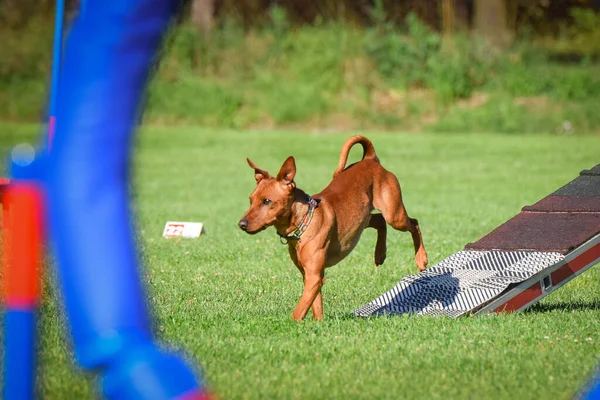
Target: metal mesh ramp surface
460	283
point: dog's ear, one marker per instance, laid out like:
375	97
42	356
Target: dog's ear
287	172
259	174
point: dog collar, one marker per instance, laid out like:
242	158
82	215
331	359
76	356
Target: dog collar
297	233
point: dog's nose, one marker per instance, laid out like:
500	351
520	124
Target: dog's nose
243	224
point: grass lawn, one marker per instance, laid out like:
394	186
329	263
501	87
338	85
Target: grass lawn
227	297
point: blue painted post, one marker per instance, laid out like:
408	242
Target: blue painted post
106	65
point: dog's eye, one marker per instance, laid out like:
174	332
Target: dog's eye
266	202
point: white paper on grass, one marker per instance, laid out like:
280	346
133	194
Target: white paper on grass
175	229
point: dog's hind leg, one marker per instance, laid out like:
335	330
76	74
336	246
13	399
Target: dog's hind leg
388	200
378	222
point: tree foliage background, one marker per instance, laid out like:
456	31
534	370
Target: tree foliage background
447	65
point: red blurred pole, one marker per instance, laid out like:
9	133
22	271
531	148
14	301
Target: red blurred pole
23	246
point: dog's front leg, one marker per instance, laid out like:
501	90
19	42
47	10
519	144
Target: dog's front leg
311	296
317	305
313	269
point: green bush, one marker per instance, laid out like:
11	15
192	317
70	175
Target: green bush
420	58
387	76
23	99
293	102
457	72
499	114
584	33
26	53
562	82
503	114
193	100
402	57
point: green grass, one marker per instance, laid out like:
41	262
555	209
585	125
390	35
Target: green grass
227	297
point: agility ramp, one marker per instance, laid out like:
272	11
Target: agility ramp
514	266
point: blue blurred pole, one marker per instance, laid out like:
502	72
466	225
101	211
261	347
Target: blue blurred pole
592	392
56	64
107	62
19	354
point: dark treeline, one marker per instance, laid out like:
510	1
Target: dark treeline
542	17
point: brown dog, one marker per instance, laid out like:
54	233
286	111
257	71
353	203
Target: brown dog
322	230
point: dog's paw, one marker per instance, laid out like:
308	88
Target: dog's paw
297	315
421	259
380	252
379	258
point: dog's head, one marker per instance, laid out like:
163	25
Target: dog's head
271	201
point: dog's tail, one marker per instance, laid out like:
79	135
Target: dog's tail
368	151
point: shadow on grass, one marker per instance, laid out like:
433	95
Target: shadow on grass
430	294
564	306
